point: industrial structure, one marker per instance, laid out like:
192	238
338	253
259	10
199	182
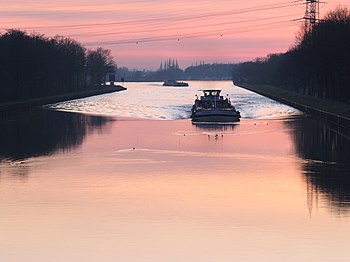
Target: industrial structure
312	13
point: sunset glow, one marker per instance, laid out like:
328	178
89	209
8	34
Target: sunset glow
143	33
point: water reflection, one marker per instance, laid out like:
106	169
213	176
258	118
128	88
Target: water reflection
215	126
326	150
333	181
43	132
215	131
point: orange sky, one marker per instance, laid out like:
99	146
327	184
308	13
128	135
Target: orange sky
142	33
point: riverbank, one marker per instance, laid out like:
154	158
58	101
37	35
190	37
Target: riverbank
332	111
59	98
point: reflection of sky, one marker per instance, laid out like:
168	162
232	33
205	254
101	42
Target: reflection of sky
183	194
223	31
153	101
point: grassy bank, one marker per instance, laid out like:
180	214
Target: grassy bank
330	110
58	98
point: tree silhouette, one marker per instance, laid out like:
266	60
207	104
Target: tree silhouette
99	63
33	66
317	65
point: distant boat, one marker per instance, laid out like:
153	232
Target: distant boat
212	107
174	83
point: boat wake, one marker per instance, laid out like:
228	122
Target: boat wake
153	101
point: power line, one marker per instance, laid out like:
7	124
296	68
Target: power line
168	28
168	18
173	22
192	35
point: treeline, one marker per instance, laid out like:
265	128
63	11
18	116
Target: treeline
171	70
205	71
32	66
318	65
169	64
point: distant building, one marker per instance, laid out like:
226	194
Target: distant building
111	76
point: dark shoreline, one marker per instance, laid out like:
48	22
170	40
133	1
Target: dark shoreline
334	112
59	98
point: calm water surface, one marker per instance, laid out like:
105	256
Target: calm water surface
130	178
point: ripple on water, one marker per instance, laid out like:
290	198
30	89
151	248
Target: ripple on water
153	101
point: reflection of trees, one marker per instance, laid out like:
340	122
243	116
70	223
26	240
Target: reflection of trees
322	141
333	181
42	132
327	169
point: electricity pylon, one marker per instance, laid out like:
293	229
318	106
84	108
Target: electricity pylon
312	13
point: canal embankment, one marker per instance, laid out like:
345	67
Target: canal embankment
331	111
22	104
